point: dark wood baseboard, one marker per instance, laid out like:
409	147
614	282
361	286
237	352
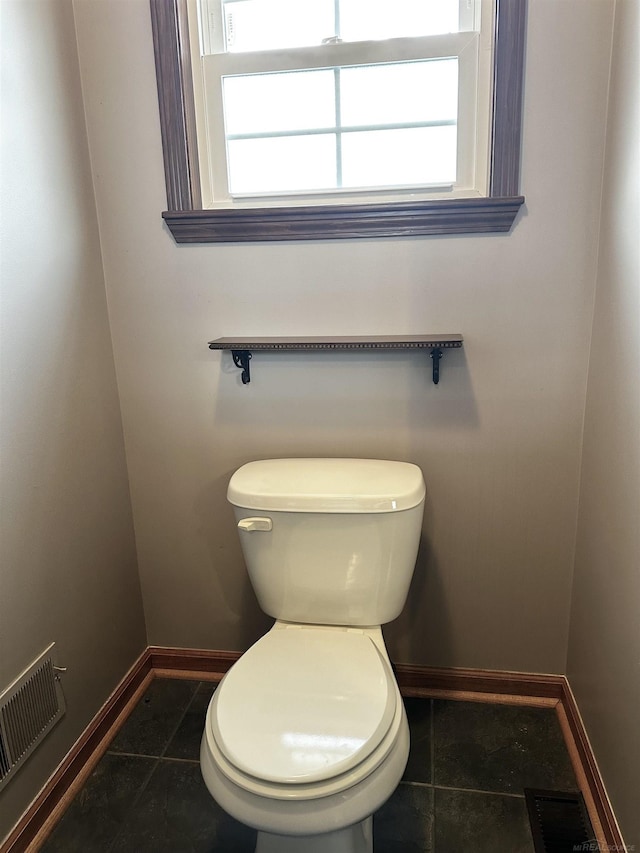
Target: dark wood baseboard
189	663
455	683
415	680
586	761
412	680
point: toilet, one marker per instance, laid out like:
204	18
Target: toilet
306	736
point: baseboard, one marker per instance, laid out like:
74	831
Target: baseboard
191	663
589	766
425	680
454	683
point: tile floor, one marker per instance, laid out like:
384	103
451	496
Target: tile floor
462	791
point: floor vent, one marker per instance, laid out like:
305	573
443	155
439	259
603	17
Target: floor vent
29	708
559	822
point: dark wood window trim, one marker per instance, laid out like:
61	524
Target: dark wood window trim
190	223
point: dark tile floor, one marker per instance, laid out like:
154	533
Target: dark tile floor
462	791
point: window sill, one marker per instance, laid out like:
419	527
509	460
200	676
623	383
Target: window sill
335	222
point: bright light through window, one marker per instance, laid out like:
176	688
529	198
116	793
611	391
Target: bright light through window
279	24
385	19
341	127
341	96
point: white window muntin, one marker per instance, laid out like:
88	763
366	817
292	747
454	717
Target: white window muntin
463	45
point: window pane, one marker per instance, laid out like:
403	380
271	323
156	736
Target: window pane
380	19
277	24
294	100
399	92
378	158
282	164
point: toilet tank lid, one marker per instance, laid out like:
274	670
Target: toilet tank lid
327	485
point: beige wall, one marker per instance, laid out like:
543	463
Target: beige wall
604	641
498	439
68	568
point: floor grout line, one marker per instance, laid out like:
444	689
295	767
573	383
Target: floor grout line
154	757
133	754
182	716
462	790
432	732
134	802
180	760
157	759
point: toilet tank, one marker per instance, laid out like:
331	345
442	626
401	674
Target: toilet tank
329	541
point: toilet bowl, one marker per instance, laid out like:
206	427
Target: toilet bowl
306	735
329	753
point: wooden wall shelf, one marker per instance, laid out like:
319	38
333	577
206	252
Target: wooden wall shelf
242	349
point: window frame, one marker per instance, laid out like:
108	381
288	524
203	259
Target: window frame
189	222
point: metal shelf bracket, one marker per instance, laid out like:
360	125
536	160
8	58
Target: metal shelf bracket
241	359
436	355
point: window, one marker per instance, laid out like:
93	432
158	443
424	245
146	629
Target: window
337	96
317	126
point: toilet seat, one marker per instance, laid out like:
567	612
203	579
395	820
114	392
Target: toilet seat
304	711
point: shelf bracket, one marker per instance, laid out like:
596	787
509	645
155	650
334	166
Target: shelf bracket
436	355
241	359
